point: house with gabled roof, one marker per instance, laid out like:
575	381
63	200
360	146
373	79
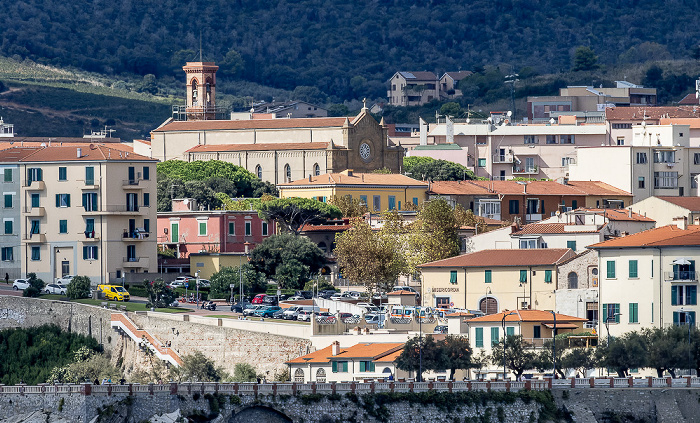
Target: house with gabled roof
413	88
665	210
449	82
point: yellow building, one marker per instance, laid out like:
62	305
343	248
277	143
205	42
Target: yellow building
380	192
209	263
494	280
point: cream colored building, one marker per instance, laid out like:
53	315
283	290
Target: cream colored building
494	280
85	211
666	210
649	279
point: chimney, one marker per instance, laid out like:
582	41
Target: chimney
309	177
423	132
335	348
681	222
79	152
349	172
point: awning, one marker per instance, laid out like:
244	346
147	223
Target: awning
560	325
681	261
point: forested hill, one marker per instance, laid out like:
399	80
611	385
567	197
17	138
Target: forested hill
345	48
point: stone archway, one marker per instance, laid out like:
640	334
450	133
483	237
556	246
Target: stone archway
259	414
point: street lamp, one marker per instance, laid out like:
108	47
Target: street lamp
196	274
240	273
688	321
607	328
503	323
554	344
420	348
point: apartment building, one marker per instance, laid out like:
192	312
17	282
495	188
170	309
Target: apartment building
621	121
11	218
82	211
413	88
649	279
666	210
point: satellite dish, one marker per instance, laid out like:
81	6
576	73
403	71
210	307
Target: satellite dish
509	114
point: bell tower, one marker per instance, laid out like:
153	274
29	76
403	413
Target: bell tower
201	90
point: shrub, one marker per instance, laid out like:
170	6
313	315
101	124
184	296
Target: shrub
79	287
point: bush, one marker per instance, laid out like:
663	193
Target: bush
79	287
244	372
35	286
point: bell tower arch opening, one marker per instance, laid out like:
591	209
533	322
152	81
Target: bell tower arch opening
201	90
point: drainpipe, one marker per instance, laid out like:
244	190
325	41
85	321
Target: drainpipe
661	288
465	289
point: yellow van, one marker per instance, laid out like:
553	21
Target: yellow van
114	292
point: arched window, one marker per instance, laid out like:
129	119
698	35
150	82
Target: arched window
208	92
488	305
323	247
573	280
299	376
288	173
321	376
194	92
317	169
258	171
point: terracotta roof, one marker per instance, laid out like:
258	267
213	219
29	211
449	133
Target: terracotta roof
459	314
325	228
533	188
623	215
459	188
690	203
694	123
356	179
527	316
209	148
59	140
319	356
402	292
389	358
598	188
94	152
114	145
372	351
551	228
514	257
458	76
232	125
421	75
665	236
689	99
654	113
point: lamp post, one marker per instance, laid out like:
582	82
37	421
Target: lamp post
554	344
240	273
503	323
688	321
197	276
607	328
420	348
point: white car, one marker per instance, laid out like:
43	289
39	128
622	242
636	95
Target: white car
337	296
55	288
20	284
65	280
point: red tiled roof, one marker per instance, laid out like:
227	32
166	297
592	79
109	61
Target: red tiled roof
598	188
689	99
458	76
690	203
93	152
623	215
527	316
665	236
458	188
514	257
356	179
531	188
654	113
372	351
232	125
258	147
322	228
551	228
573	188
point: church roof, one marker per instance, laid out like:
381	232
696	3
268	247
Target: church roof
233	125
382	179
216	148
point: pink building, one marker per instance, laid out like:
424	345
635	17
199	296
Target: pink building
189	230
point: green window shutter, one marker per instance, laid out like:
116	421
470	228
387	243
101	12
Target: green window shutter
453	276
147	225
487	276
89	175
146	173
67	200
548	276
8	201
146	199
35	200
371	363
58	200
94	252
674	295
494	336
63	226
523	276
633	310
633	268
537	332
334	367
345	366
415	201
571	244
62	174
8	175
362	366
479	335
202	228
510	331
676	318
616	309
611	269
85	253
691	295
8	227
231	228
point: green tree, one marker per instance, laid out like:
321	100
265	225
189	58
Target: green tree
79	287
349	207
519	355
292	214
458	353
338	110
421	353
244	372
35	286
148	85
452	109
625	352
159	295
468	218
232	65
196	367
585	59
434	234
666	349
253	281
289	259
87	366
579	359
544	360
427	168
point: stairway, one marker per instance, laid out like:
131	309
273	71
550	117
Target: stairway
124	325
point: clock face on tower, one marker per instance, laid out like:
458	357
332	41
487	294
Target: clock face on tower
365	151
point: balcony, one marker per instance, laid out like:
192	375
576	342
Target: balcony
135	235
34	238
34	211
682	276
135	262
91	185
533	217
133	184
36	186
90	236
526	170
502	158
116	210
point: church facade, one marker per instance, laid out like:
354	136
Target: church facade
276	150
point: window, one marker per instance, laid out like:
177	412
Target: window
641	158
548	276
489	208
574	204
571	244
320	376
622	126
132	176
572	278
62	200
633	269
376	203
317	169
264	229
8	201
89	175
363	200
514	206
664	156
7	254
482	162
288	173
640	182
665	180
258	171
684	295
694	180
9	226
523	276
620	140
132	202
453	276
392	202
35	200
131	253
566	139
366	366
551	139
34	228
202	228
174	232
90	201
510	331
146	173
528	243
7	175
62	226
415	201
611	269
231	228
494	336
146	199
610	310
248	230
36	253
479	337
35	174
339	366
537	332
532	206
90	252
90	228
487	276
62	173
634	313
696	158
531	139
147	225
681	318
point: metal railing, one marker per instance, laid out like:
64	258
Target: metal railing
682	275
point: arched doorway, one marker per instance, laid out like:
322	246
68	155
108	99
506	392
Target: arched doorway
488	305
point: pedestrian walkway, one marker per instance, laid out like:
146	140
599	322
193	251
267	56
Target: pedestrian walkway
124	325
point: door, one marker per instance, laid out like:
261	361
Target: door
502	155
132	175
132	228
131	253
174	232
65	268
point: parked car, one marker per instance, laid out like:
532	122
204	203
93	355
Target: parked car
55	288
327	293
266	311
251	309
203	283
114	292
440	329
379	296
20	284
296	298
344	316
324	315
291	313
369	308
240	306
270	300
181	282
65	280
278	314
336	297
258	299
304	316
306	294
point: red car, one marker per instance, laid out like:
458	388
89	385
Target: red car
259	299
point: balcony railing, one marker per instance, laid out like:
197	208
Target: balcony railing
503	158
34	238
133	262
36	185
530	170
135	235
132	183
682	275
34	211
